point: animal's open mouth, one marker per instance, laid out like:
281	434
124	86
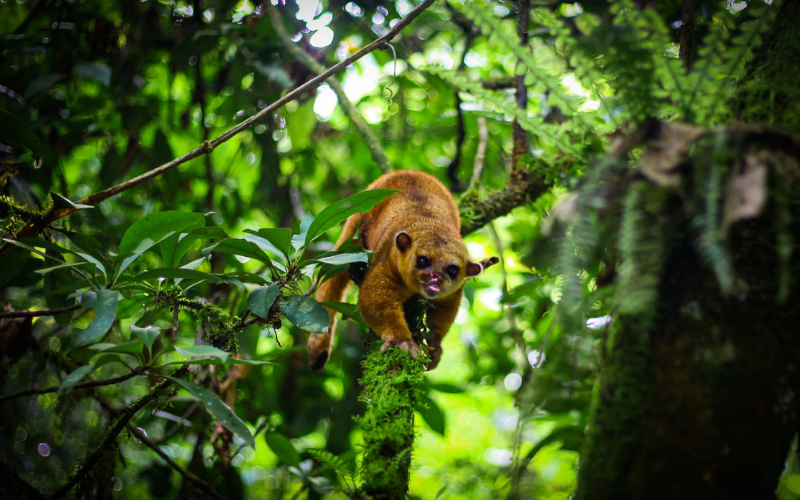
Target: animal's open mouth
431	289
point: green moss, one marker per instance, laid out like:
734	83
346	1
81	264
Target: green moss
391	386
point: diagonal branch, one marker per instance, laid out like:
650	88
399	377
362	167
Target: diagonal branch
208	146
85	385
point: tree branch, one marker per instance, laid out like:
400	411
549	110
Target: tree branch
202	485
374	145
85	385
110	436
208	146
36	314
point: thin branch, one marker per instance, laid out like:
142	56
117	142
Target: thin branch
85	385
208	146
480	155
374	145
687	32
36	314
520	136
110	436
199	483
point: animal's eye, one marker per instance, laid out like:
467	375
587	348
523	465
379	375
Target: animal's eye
423	262
452	271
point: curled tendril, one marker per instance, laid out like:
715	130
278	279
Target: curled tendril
390	92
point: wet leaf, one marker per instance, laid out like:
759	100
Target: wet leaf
261	299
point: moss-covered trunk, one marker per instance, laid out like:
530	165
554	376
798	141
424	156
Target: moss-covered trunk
703	404
391	383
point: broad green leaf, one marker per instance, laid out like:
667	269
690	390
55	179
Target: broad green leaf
175	247
97	72
431	414
219	410
33	250
74	377
147	335
99	265
104	303
279	238
306	313
239	247
132	347
188	274
106	359
343	258
349	311
281	446
42	84
261	299
570	437
299	239
248	278
150	229
342	209
203	350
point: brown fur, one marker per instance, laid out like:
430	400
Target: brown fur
420	221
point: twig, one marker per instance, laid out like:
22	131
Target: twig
520	136
687	32
110	436
208	146
185	416
480	155
85	385
202	485
36	314
374	145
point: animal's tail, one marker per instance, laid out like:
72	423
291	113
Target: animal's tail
334	290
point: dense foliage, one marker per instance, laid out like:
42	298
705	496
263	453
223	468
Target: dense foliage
193	290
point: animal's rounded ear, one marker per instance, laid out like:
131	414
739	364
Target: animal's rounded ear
403	241
474	269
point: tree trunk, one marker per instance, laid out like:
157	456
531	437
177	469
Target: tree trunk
703	404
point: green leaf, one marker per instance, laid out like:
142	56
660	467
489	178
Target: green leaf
74	377
147	335
132	347
261	299
240	247
203	350
280	238
104	303
219	410
13	262
349	311
299	239
431	414
571	437
180	273
42	84
149	230
281	446
175	247
306	313
343	258
97	72
216	361
342	209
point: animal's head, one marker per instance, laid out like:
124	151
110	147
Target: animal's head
436	266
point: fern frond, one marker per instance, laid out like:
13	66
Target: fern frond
709	241
344	469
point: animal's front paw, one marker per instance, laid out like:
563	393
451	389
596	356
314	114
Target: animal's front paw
406	345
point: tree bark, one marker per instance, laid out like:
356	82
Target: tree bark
703	404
